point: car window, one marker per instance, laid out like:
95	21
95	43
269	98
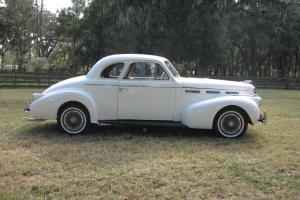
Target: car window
112	71
146	71
172	69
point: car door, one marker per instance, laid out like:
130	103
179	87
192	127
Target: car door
105	90
146	92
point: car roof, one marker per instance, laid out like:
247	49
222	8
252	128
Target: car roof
121	58
125	57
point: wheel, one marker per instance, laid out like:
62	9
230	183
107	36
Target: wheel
73	119
231	123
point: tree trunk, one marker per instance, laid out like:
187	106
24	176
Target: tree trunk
199	70
297	60
2	60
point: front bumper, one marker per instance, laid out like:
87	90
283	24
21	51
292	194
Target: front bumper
263	118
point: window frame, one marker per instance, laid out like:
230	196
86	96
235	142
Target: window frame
128	67
109	65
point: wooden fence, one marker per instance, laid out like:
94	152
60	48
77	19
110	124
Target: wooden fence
43	80
267	82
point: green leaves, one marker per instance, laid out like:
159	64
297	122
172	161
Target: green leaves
216	37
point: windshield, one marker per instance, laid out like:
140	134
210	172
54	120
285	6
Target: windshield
172	69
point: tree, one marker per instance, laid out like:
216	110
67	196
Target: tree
69	33
19	15
45	37
4	32
209	37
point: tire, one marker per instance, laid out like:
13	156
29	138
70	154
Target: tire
73	119
231	123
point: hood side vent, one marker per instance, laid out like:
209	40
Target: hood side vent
212	92
229	92
192	91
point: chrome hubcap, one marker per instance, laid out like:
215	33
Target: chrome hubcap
231	123
73	120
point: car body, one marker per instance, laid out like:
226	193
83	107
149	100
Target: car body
145	89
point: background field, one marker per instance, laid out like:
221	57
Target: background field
38	161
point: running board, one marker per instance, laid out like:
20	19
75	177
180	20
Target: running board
144	123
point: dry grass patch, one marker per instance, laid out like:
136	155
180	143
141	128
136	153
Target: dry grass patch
37	161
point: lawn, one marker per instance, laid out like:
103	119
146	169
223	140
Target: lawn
37	161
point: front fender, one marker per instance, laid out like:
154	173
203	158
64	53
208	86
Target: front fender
201	114
47	106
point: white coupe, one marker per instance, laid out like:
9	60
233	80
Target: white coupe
147	90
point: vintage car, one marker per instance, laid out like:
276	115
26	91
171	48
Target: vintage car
147	90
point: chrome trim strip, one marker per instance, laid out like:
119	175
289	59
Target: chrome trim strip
144	122
197	88
210	89
33	119
153	86
98	84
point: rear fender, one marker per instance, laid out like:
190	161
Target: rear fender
201	114
47	106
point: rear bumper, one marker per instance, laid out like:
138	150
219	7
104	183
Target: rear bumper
27	114
263	118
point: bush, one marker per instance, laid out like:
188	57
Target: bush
39	64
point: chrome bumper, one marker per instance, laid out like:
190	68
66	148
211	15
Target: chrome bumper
27	113
27	106
263	118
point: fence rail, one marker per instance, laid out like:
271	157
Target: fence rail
42	80
267	82
11	79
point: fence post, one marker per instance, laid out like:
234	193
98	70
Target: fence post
39	80
49	75
15	78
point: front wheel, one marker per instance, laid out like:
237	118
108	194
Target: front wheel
73	119
230	123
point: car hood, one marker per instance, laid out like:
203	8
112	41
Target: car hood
66	84
206	83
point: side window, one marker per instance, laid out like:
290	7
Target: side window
112	71
146	71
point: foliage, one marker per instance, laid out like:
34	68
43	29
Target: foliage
39	64
18	14
219	37
222	37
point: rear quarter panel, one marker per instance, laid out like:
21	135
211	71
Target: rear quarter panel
47	106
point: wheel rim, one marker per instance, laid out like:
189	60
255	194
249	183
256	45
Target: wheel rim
73	120
231	124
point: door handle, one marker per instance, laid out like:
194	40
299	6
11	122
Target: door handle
122	89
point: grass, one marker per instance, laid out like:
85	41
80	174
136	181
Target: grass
37	161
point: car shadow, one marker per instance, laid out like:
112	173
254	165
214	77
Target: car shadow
51	132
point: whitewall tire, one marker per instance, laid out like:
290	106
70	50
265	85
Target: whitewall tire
73	119
231	123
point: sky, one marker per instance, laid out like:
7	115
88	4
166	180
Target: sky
53	5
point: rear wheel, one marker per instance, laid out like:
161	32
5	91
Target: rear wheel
73	119
231	123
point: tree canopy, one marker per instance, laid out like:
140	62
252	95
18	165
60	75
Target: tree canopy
203	37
